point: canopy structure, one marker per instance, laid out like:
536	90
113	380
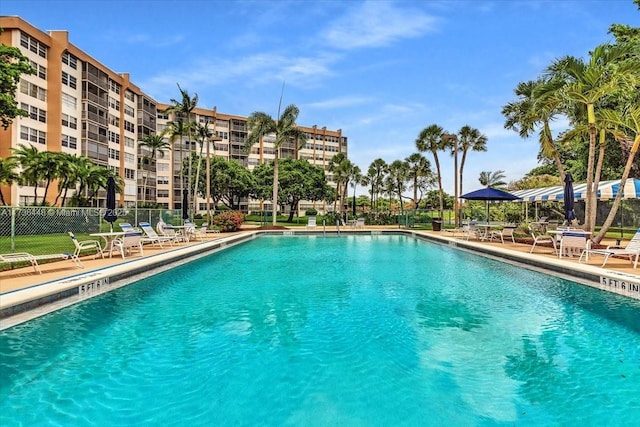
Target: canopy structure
607	190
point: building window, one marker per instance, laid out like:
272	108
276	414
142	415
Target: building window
114	137
129	126
35	113
129	173
69	101
41	71
162	193
33	45
114	154
114	87
69	80
33	135
70	60
69	121
163	180
69	141
162	167
129	111
129	142
35	91
129	158
114	103
129	95
113	120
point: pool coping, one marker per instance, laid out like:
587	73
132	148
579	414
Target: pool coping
21	305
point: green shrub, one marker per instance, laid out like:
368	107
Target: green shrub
311	212
228	221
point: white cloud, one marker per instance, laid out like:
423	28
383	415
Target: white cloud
377	23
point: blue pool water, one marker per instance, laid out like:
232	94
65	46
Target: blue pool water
341	331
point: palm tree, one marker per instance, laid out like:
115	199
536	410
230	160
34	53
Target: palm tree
156	144
8	174
68	178
430	139
355	177
260	124
183	108
629	130
376	174
398	176
469	139
492	179
339	166
586	84
203	134
28	158
176	129
419	171
539	102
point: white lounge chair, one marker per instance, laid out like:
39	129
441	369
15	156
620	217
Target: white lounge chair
167	230
358	223
86	245
542	238
311	222
33	259
127	244
572	242
507	231
631	250
153	237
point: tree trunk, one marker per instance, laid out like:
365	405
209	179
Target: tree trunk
440	195
274	205
616	201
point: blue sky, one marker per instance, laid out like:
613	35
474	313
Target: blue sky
379	70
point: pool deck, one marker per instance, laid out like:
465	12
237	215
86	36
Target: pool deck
25	294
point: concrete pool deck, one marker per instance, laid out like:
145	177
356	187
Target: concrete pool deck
25	294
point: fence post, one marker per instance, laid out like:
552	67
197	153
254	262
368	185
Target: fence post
13	228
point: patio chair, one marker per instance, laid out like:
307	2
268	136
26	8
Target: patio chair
18	257
541	238
127	244
86	245
358	223
152	237
213	230
507	231
167	230
631	250
572	242
311	223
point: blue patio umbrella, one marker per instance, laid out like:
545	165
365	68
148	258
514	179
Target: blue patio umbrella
185	204
568	196
489	194
110	216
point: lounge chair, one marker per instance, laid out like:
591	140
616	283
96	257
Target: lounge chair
33	259
167	230
213	230
86	245
127	243
631	250
507	231
572	242
542	238
358	223
311	223
153	237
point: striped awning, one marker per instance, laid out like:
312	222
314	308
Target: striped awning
607	190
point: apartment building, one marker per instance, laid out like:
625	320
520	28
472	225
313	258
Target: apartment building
79	106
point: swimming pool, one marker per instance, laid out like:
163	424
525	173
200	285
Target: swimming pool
375	330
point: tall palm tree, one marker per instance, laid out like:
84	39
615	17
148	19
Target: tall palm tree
376	173
355	177
629	131
8	174
339	166
203	134
176	129
469	139
430	139
183	109
419	169
539	102
398	176
156	144
68	178
492	179
587	83
285	129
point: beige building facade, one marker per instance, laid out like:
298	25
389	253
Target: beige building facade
79	106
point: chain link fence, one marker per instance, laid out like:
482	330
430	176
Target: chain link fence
44	230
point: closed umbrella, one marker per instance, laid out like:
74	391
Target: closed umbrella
110	216
489	194
185	204
569	214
